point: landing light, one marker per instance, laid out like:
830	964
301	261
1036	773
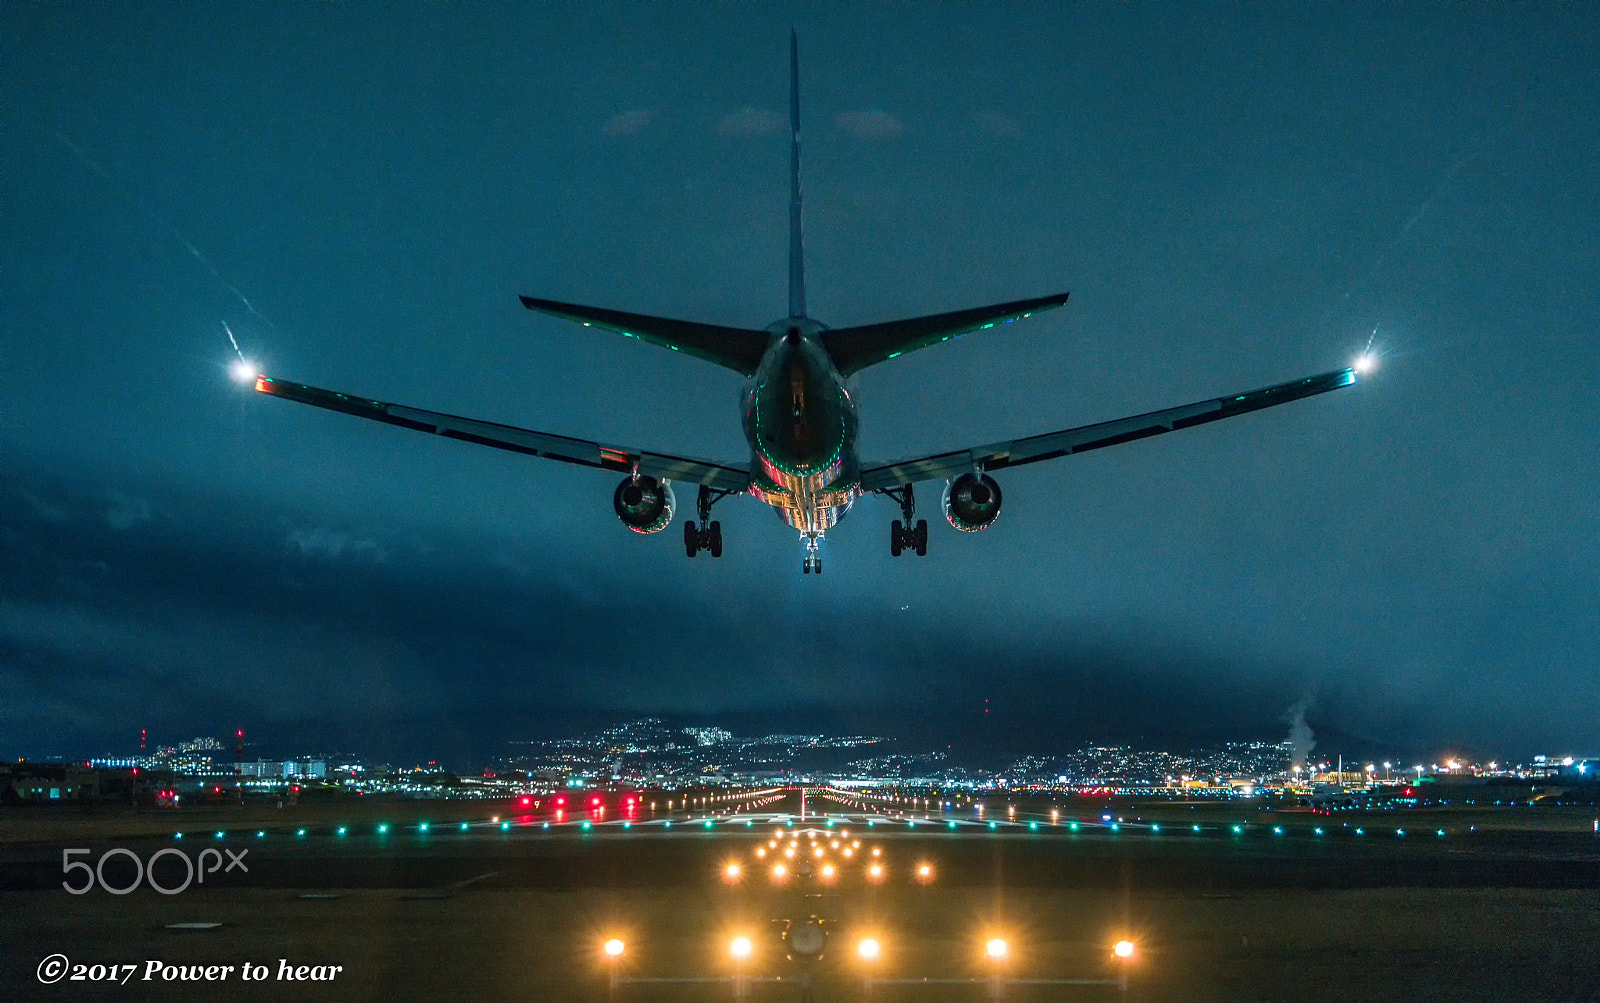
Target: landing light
243	370
1366	363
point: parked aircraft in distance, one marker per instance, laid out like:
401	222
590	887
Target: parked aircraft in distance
800	417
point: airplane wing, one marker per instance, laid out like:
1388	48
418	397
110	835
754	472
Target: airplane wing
721	476
999	455
855	348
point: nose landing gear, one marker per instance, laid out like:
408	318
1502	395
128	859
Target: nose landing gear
813	559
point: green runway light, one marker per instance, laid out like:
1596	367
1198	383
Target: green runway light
1317	830
669	823
260	833
1399	832
1235	828
341	830
177	835
951	825
1073	827
1033	825
748	824
586	826
993	824
301	832
708	823
1441	832
1277	830
463	827
1360	831
504	826
1154	827
220	834
547	824
424	827
912	824
1196	828
383	828
1113	827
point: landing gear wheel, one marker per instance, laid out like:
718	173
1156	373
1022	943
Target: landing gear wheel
895	538
691	539
714	543
920	538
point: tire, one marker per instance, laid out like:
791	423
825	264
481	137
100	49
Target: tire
691	539
921	538
895	539
715	532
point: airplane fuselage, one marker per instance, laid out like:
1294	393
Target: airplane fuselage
800	421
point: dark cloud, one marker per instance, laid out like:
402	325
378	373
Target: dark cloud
870	124
628	123
997	124
747	122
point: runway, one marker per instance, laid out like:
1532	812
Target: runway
1224	903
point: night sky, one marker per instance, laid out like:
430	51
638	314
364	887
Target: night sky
1235	195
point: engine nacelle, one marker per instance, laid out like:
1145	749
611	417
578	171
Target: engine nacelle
644	505
971	502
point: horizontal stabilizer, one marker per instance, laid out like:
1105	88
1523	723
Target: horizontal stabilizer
855	348
733	347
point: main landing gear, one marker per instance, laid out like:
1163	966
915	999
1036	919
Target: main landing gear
813	558
709	537
903	537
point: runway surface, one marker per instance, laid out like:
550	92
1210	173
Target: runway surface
476	900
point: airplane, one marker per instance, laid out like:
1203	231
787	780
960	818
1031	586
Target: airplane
799	414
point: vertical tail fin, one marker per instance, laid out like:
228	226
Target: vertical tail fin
797	263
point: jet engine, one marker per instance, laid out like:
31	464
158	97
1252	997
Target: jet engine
644	504
971	502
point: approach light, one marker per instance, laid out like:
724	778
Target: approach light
779	872
731	872
869	950
996	949
1124	950
740	948
614	948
